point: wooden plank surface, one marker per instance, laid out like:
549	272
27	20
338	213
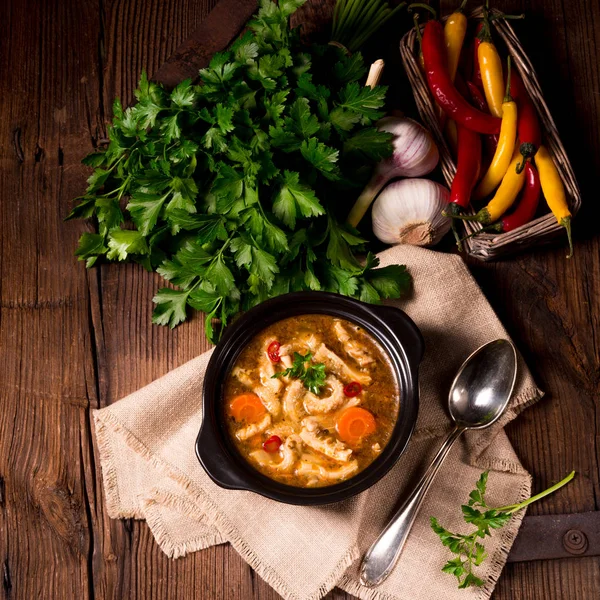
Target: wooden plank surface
71	340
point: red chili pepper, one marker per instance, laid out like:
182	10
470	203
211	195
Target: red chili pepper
273	351
491	141
272	444
527	204
476	70
352	389
528	124
468	165
443	89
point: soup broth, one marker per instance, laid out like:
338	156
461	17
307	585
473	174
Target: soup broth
311	401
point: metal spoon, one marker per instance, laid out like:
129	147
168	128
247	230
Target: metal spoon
479	395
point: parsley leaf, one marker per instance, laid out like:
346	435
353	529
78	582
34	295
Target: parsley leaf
470	552
170	307
294	197
91	245
144	210
123	242
363	101
208	227
369	143
312	375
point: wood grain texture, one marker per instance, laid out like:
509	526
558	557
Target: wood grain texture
71	340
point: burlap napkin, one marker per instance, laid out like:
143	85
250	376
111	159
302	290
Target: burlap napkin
150	471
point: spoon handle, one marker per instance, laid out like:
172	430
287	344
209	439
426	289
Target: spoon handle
381	557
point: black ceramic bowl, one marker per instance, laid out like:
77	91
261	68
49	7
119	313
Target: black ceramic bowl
391	327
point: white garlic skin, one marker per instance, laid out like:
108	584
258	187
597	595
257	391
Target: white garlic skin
410	212
415	153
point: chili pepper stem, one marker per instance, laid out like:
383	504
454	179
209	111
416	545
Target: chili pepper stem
483	216
528	151
424	6
512	508
462	6
457	237
566	223
451	211
418	30
485	35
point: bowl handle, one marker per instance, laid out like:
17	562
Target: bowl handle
216	463
404	326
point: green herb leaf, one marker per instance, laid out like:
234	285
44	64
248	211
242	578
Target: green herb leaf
145	209
477	496
293	198
84	210
322	157
392	281
301	122
209	227
91	245
369	143
170	307
183	95
338	248
311	374
364	101
123	242
472	553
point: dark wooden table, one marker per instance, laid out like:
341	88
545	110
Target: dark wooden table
72	340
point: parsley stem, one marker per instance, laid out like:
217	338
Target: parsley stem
118	161
512	508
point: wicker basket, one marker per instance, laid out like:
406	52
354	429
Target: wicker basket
489	246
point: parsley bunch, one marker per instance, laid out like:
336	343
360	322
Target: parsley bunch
312	375
470	552
235	190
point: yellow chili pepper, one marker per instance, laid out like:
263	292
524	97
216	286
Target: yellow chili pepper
505	196
554	191
454	35
455	30
490	66
509	189
505	148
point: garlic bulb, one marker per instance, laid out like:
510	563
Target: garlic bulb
410	212
414	154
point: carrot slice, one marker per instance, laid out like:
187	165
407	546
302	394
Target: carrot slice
354	424
246	407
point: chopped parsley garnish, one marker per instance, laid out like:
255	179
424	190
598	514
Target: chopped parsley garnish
312	375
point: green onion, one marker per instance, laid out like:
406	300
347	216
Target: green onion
355	21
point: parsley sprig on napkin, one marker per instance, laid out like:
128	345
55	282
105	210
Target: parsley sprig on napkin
469	551
235	190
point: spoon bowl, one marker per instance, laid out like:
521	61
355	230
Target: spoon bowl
483	385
